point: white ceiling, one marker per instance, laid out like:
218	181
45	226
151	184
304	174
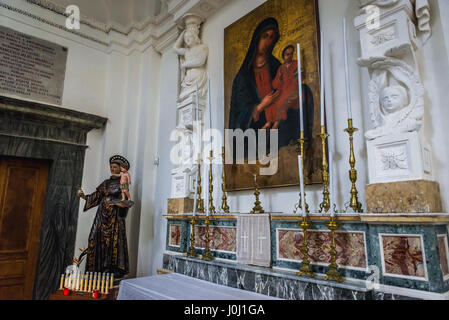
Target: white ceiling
121	14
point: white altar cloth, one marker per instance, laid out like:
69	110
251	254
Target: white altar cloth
176	286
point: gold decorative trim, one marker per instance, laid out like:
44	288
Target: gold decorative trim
406	218
163	271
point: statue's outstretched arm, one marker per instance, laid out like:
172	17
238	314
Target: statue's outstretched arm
177	47
94	199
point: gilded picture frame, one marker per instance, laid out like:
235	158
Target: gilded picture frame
296	22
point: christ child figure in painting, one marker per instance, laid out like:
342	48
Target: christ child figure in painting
286	83
125	181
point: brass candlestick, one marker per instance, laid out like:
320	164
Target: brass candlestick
199	201
224	198
305	270
325	205
207	255
211	186
333	273
257	204
191	253
301	148
354	203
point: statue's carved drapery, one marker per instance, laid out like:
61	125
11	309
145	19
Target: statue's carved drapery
107	246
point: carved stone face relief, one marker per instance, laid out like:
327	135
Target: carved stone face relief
396	98
191	39
393	99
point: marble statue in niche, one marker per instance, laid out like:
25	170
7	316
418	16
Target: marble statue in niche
396	98
193	58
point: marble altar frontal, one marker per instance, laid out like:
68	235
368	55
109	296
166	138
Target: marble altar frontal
351	249
443	250
410	252
222	239
403	256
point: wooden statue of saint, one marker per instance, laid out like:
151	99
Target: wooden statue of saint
107	247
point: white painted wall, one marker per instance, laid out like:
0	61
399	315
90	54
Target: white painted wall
84	90
113	85
434	68
162	188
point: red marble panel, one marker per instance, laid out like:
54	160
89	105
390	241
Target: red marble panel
442	249
403	255
350	247
175	235
221	238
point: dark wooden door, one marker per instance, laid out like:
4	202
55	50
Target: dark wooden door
23	185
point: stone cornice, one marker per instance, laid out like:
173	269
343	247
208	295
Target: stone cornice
375	218
405	5
57	116
157	32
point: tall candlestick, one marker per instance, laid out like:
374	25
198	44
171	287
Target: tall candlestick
301	183
257	204
322	79
210	199
301	120
348	86
195	199
224	198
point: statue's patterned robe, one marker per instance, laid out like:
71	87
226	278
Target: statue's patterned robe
108	250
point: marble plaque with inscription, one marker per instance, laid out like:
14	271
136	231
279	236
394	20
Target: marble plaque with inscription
31	68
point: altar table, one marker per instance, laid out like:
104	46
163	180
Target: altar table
176	286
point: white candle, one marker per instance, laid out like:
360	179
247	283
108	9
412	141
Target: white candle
301	184
199	145
209	106
348	88
322	79
301	120
210	129
331	179
198	119
195	199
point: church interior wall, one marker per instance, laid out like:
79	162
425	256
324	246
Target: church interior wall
137	92
434	62
274	200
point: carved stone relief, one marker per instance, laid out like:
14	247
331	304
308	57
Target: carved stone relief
396	98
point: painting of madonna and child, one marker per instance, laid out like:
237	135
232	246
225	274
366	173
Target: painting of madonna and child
261	91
